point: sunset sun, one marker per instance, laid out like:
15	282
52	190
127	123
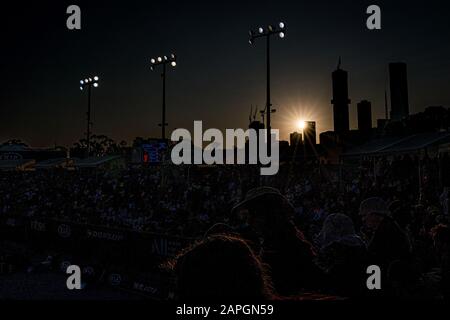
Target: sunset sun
301	124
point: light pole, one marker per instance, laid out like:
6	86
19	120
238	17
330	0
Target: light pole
267	33
172	60
89	83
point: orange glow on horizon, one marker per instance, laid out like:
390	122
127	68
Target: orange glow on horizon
293	117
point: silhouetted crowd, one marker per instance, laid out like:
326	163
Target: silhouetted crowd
150	200
309	232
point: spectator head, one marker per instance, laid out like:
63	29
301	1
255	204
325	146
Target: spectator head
372	212
221	267
265	209
274	236
338	227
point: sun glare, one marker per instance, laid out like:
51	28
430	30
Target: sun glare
301	124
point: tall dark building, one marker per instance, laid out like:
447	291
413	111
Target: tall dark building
309	133
398	81
364	109
295	139
340	100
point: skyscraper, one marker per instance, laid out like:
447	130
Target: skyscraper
364	109
398	81
340	99
295	139
309	133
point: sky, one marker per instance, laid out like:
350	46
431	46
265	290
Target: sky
219	76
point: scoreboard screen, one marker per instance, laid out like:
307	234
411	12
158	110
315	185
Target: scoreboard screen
153	152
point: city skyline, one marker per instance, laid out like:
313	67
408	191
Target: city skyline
219	76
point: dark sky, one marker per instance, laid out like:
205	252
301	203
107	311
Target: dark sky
219	75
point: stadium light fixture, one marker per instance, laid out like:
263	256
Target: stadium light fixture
163	61
271	30
88	83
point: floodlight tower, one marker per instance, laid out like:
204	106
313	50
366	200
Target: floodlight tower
267	33
163	61
89	83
